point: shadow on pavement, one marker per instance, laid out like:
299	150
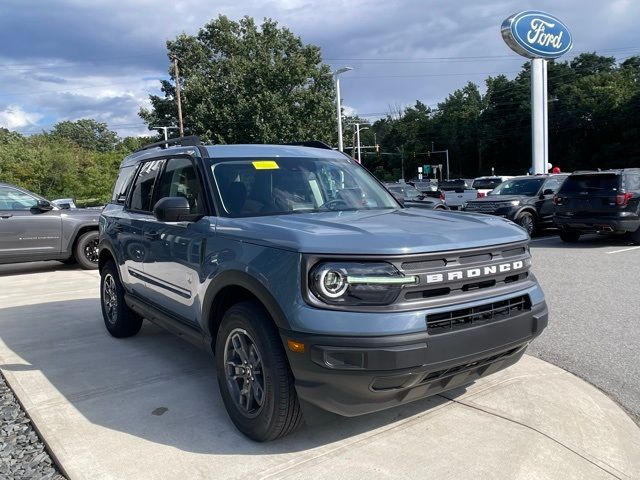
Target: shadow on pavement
586	242
35	267
154	385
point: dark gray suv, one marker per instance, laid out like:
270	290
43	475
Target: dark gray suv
32	228
315	289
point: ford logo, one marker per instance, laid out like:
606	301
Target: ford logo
535	34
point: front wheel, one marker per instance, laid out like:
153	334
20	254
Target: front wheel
86	251
255	381
527	221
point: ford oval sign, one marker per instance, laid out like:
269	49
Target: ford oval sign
536	34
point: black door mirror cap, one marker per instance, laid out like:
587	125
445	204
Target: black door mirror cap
174	209
548	191
43	206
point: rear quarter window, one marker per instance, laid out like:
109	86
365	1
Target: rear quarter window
121	187
598	183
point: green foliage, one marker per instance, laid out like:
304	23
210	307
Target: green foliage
593	122
57	167
247	84
86	133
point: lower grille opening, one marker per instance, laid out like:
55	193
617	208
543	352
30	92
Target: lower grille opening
434	292
467	366
466	317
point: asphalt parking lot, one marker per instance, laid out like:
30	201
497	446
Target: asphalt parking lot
148	406
593	291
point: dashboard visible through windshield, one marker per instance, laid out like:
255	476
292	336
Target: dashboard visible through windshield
255	187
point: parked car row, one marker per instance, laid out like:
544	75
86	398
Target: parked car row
604	202
410	196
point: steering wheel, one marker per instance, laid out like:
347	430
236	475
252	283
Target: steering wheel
335	203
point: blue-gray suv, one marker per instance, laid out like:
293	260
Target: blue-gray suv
314	288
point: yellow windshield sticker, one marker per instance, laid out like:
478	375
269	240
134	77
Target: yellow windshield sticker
265	165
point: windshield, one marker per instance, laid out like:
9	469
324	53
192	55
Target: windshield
256	187
599	183
486	183
519	186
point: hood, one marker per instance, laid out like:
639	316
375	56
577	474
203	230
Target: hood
379	232
84	213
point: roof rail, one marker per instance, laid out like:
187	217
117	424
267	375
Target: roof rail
189	141
310	143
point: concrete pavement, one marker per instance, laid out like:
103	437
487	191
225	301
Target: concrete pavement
148	407
594	302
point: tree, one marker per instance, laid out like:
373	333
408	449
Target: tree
248	84
87	133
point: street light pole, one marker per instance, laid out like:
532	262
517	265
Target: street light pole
358	130
336	74
164	130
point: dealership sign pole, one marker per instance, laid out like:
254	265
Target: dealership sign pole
540	37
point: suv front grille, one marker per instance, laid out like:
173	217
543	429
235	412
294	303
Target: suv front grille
467	317
465	273
484	207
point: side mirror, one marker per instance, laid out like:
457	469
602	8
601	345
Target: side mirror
173	209
548	191
43	206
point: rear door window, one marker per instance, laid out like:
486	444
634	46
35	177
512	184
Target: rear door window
142	191
591	184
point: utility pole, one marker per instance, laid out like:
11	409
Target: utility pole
358	140
178	94
164	130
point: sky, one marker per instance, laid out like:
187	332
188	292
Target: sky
72	59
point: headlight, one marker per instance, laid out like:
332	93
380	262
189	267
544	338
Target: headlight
515	203
357	283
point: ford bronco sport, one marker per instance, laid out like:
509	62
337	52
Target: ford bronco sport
314	288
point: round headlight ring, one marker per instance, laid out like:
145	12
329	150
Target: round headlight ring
332	283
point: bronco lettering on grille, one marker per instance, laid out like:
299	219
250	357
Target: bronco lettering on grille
478	272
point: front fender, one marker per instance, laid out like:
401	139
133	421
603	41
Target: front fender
242	279
70	228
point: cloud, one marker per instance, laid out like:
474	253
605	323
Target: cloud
13	118
65	58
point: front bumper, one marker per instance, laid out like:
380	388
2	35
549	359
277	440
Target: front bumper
598	224
352	376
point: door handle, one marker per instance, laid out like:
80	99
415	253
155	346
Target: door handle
6	215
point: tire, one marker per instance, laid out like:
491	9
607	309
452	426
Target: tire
247	334
635	237
86	250
569	236
527	221
120	320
